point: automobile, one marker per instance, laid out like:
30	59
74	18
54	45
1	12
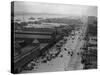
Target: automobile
61	42
65	39
58	45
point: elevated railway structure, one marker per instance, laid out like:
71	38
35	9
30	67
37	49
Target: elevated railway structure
31	50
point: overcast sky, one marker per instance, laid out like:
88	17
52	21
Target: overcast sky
31	7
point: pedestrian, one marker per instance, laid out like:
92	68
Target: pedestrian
78	53
71	53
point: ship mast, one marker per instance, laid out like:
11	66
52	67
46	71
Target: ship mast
23	17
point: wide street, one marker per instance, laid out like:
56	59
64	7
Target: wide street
68	57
